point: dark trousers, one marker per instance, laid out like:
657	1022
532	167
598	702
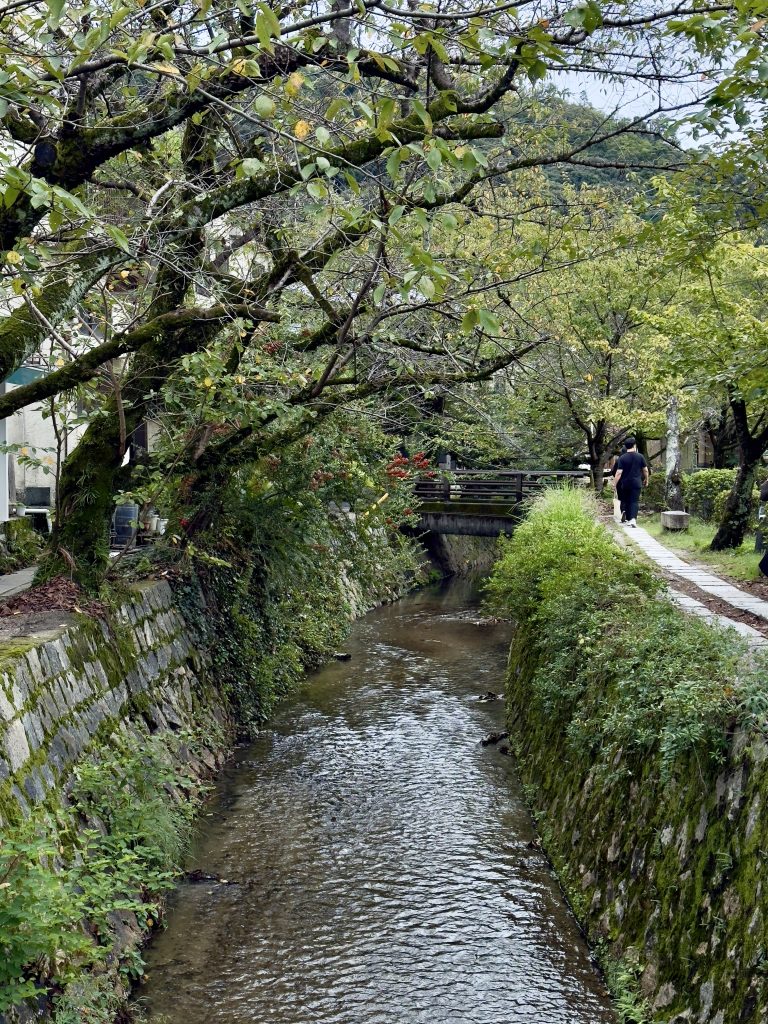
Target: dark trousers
630	498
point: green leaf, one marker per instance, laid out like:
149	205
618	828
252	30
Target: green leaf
469	321
271	19
488	321
396	214
335	107
251	166
55	10
117	236
587	16
537	70
427	287
393	164
317	190
264	106
434	158
323	136
264	32
422	113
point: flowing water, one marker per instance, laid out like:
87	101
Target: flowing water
386	869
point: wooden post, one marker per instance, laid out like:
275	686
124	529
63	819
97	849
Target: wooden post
519	488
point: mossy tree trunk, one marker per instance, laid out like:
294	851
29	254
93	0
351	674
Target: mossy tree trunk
738	506
673	489
722	437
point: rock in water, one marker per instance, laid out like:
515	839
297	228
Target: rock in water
494	737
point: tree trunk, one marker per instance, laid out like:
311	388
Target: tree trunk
738	507
596	461
642	444
722	437
596	457
673	490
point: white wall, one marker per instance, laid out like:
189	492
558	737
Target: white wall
27	427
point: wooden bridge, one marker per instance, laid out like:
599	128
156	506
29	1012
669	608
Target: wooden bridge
483	502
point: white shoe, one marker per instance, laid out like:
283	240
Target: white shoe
633	523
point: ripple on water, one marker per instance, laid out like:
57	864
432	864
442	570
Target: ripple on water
385	862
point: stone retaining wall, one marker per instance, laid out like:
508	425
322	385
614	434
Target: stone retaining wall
667	870
64	689
453	555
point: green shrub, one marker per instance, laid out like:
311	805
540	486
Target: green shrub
20	546
718	508
116	849
652	497
620	668
702	489
39	916
754	505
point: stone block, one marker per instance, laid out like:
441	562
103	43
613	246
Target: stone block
6	708
47	669
675	520
23	684
61	650
33	729
16	745
58	755
33	661
34	787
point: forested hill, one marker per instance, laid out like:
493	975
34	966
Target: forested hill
631	159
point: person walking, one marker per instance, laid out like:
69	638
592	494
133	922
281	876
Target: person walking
631	476
618	498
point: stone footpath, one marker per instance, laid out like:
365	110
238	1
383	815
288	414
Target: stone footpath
706	581
15	582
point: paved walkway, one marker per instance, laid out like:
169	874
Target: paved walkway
14	582
706	581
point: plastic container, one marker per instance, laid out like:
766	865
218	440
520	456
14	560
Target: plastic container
125	523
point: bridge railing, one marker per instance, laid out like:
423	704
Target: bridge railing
503	486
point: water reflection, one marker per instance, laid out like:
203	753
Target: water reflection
385	864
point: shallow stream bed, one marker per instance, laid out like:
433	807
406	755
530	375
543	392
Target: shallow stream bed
385	866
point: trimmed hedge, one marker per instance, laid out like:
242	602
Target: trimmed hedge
702	489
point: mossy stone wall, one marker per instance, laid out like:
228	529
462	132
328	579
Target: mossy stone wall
456	555
63	690
671	876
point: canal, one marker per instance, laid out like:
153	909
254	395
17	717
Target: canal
380	864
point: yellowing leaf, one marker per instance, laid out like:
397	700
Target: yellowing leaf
165	68
12	257
301	129
294	83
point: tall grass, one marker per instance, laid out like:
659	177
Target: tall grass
605	655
